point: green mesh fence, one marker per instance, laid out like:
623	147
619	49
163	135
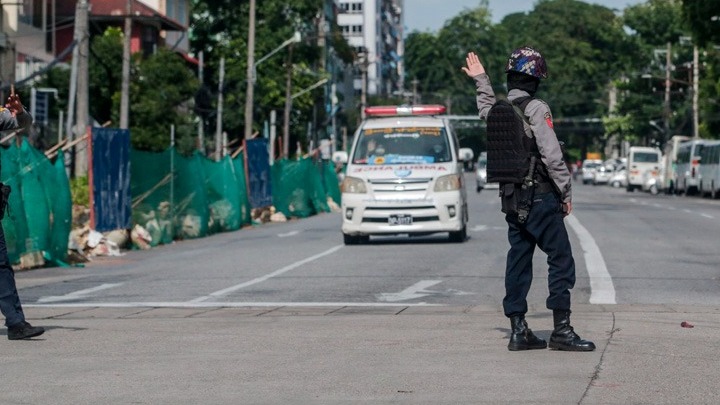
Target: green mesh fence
40	213
203	196
330	181
199	198
298	188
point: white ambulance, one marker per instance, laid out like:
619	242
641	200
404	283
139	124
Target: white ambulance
404	175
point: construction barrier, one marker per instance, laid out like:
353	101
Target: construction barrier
173	197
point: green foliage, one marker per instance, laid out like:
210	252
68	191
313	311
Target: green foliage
587	47
79	191
220	29
105	71
702	19
160	95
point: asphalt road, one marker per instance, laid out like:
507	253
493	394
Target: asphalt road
284	313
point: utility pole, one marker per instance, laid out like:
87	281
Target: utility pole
363	84
696	78
288	106
81	23
250	91
333	122
666	105
125	86
218	125
415	82
201	126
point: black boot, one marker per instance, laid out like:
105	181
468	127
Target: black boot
522	337
565	338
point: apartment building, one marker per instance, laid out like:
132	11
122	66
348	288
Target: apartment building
36	33
375	29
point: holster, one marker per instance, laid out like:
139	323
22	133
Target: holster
516	200
4	199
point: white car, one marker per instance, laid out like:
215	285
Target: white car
481	174
619	177
602	175
589	167
404	176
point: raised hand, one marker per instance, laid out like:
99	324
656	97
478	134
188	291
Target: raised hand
474	67
14	105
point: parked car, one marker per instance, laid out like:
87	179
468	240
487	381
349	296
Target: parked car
588	169
602	175
481	174
619	177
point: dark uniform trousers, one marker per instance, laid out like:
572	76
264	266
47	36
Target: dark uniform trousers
545	229
9	300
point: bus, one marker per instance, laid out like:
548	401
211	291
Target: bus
670	162
710	169
688	163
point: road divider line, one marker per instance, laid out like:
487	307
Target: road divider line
291	233
76	294
226	291
190	304
602	290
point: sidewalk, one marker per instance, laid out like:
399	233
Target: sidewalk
375	355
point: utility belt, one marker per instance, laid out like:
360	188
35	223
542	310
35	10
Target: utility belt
516	199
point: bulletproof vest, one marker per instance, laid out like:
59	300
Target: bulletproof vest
508	148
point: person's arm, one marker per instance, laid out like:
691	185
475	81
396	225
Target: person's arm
485	94
14	115
540	118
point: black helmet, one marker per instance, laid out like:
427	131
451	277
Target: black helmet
528	61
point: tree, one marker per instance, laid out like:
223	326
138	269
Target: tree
160	95
105	73
220	29
655	24
703	19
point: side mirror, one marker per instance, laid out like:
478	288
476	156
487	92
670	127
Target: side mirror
340	157
466	154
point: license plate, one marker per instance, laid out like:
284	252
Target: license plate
400	219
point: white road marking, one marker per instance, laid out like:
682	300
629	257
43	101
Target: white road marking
687	210
76	294
602	290
478	228
226	291
418	290
291	233
414	291
227	304
707	216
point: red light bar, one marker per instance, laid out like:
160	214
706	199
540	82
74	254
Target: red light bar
390	110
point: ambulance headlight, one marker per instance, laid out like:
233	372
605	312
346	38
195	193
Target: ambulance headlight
353	185
451	182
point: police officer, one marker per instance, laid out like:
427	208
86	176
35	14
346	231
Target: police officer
544	226
13	116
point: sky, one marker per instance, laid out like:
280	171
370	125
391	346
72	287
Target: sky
430	15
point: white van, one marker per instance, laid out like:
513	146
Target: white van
670	162
688	165
710	169
404	175
643	168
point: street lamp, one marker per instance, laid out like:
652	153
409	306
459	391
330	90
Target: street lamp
252	78
295	39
